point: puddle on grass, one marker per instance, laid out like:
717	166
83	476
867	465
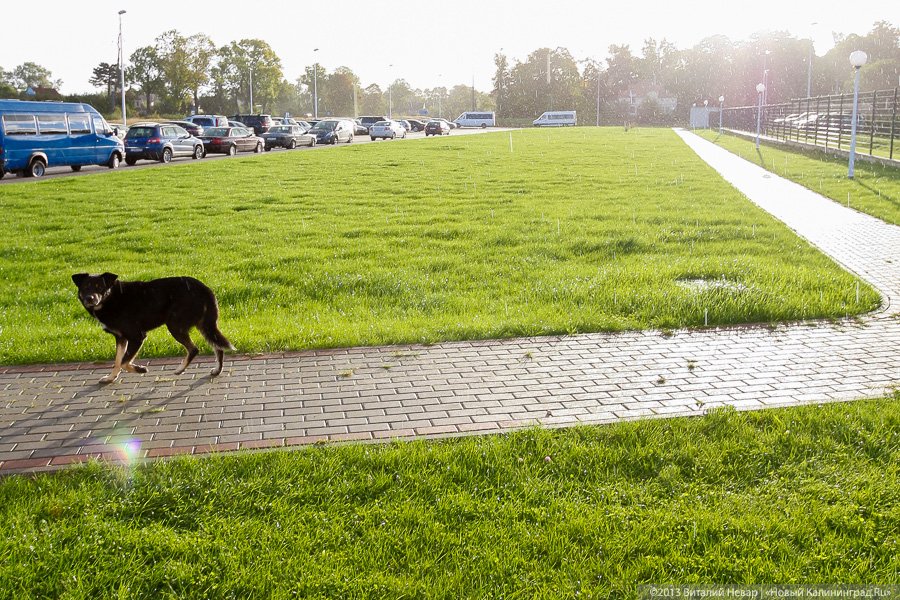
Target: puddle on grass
702	285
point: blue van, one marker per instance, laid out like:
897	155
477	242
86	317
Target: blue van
37	135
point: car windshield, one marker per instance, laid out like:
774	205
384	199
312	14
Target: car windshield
382	124
325	125
217	131
140	132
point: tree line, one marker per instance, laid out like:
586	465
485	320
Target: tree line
178	74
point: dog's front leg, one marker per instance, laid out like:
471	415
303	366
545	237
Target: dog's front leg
121	345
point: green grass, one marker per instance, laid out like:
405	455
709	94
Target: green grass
800	495
573	230
874	190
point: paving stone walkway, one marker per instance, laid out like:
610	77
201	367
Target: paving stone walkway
56	415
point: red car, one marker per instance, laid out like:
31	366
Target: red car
231	140
436	127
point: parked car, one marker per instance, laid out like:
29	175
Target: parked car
405	124
416	124
437	127
359	128
369	120
387	130
231	140
450	124
191	127
119	130
287	136
37	135
258	123
208	120
332	131
160	141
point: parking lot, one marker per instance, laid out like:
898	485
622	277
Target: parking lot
58	172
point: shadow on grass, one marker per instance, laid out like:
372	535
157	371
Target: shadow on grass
892	199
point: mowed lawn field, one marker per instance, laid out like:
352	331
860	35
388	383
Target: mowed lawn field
503	234
807	495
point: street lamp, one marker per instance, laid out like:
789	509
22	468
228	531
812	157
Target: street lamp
809	69
760	90
721	108
390	96
122	67
316	88
251	89
857	59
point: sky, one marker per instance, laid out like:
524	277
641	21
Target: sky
423	42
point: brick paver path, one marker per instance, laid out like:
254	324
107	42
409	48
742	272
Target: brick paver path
56	415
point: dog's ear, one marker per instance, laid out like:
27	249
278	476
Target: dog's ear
109	279
78	278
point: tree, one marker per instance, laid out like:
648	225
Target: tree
338	91
106	75
7	89
33	75
237	60
502	81
146	71
185	64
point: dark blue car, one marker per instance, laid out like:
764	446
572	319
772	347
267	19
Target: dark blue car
37	135
160	141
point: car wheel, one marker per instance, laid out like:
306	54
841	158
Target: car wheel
232	150
76	168
114	161
36	168
393	135
312	143
483	125
259	148
166	155
292	145
130	161
198	153
373	138
350	139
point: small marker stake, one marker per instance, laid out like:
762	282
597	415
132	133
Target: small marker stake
705	317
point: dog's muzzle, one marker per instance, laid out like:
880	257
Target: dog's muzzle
91	300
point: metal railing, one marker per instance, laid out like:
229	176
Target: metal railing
825	121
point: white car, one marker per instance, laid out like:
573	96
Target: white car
387	129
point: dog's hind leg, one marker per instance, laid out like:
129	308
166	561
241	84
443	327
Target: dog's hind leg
215	338
132	347
183	337
121	344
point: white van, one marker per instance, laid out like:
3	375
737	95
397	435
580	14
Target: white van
556	118
476	119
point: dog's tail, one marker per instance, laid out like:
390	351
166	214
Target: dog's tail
215	338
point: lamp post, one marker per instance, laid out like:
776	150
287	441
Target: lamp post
316	88
760	90
809	68
390	96
440	94
857	59
721	108
251	90
122	67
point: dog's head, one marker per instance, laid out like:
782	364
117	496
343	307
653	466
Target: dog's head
93	290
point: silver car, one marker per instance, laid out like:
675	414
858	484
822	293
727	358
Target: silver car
387	130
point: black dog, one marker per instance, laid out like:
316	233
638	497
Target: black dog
129	309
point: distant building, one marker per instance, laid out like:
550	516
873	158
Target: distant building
647	95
